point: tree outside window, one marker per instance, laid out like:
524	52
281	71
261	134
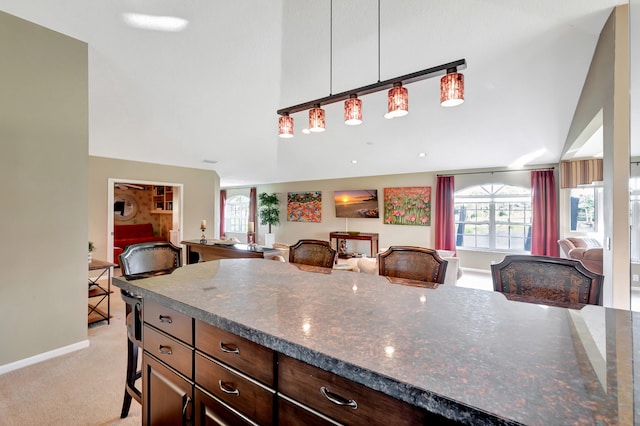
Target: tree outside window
584	209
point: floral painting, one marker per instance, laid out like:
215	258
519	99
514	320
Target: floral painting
304	207
407	206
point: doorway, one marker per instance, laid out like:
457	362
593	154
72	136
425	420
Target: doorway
137	201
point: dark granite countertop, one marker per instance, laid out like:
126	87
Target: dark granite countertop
470	355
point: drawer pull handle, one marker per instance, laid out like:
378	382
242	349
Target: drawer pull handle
337	399
165	350
224	388
229	349
165	318
187	401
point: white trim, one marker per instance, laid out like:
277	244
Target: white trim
43	356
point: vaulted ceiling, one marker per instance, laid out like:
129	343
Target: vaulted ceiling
206	97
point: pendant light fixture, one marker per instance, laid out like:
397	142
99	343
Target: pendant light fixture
285	126
353	111
451	93
316	119
452	88
397	101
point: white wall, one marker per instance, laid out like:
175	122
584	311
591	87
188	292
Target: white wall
291	232
606	89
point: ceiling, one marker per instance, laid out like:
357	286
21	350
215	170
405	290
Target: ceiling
206	97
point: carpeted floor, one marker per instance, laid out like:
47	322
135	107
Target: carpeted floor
85	387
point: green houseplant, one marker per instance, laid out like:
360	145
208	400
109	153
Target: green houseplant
92	247
269	214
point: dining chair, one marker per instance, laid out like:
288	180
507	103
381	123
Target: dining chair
412	263
547	280
313	253
138	261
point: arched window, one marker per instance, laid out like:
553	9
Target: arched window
493	217
236	214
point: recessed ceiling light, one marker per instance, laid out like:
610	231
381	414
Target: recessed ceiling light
155	22
306	131
422	154
354	161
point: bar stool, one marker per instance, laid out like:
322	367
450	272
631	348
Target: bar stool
142	260
133	309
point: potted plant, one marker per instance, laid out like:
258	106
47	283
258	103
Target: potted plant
92	247
269	214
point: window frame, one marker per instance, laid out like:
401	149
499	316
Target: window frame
496	198
234	223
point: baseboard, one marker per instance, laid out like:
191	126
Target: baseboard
43	357
477	271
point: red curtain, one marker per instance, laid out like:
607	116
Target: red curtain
544	229
253	205
445	220
223	204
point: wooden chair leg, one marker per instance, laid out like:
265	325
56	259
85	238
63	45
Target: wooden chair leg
130	391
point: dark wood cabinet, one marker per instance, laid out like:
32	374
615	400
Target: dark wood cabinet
167	397
211	412
239	382
292	414
340	399
235	389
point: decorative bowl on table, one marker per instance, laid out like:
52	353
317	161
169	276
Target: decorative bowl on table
353	232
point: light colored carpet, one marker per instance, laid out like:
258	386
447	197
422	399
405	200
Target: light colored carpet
85	387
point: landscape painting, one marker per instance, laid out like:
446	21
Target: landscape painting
357	203
304	207
407	206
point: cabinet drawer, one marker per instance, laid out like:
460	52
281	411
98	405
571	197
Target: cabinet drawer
352	403
292	414
250	358
209	411
170	351
170	321
248	397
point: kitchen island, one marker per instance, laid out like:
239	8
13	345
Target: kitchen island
467	355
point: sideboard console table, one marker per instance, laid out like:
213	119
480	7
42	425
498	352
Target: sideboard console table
212	251
371	237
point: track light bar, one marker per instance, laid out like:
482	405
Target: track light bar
377	87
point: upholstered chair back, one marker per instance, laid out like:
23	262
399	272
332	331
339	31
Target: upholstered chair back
542	279
312	252
149	259
413	263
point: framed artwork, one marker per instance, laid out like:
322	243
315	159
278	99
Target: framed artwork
358	203
304	207
407	206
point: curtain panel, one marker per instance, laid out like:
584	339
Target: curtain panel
445	215
253	206
544	227
223	205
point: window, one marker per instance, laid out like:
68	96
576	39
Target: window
584	209
236	214
493	217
